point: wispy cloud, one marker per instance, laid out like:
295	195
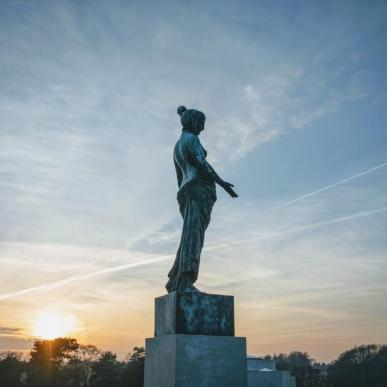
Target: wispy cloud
9	331
50	286
275	105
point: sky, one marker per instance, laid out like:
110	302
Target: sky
295	99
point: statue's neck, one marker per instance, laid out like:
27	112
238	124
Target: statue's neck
189	131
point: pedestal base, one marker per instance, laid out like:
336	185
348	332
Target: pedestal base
195	361
194	313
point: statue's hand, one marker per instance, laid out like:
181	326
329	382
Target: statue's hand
228	188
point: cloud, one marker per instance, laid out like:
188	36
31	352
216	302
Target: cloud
15	344
14	339
145	262
24	253
277	103
11	331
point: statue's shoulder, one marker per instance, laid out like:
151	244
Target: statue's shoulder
184	141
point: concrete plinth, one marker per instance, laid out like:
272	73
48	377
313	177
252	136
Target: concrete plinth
195	314
195	361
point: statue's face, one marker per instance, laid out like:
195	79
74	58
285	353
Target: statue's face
200	125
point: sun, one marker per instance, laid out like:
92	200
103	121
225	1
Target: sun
52	323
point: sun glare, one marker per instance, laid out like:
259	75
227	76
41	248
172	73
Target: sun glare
51	324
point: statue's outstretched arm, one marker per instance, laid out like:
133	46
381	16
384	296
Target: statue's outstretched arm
199	158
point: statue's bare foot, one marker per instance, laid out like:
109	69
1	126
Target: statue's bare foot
192	289
186	285
169	286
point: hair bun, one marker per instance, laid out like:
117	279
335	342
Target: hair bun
181	110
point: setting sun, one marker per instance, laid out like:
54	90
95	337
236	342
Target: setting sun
51	324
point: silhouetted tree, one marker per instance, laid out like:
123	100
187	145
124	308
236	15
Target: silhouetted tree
106	371
361	366
47	360
86	356
300	366
78	371
12	370
133	372
63	362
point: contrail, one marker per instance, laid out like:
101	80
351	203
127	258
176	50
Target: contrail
361	214
329	186
57	284
53	285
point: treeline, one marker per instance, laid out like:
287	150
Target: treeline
64	362
306	372
361	366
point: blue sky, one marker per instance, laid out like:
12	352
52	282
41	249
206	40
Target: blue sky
294	94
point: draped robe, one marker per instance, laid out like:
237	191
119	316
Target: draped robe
196	197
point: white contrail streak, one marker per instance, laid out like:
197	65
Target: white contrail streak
53	285
57	284
361	214
329	186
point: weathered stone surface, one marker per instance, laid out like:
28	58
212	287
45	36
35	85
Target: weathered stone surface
194	313
195	361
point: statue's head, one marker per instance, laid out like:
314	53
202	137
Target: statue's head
192	120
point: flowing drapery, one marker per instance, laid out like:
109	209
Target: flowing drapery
196	199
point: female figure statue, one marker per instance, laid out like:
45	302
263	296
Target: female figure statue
196	196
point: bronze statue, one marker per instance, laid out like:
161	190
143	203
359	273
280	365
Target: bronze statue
196	196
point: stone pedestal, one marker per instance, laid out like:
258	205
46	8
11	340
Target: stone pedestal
194	344
194	314
195	361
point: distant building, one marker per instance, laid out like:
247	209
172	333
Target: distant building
263	373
